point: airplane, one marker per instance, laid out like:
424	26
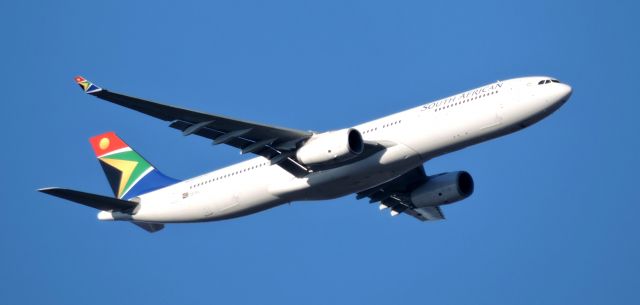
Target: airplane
381	159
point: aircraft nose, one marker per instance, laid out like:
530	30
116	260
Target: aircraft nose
565	92
558	94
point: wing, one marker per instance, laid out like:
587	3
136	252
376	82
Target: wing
395	195
274	143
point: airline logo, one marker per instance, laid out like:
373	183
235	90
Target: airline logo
86	85
123	166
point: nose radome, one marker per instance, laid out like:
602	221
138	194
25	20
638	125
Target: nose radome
565	91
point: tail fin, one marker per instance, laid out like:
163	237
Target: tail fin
129	174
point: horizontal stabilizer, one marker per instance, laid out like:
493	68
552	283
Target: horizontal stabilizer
99	202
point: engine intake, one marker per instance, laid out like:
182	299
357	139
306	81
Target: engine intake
331	147
442	189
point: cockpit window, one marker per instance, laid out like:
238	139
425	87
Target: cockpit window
548	81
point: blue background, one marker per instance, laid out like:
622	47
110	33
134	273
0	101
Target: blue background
554	219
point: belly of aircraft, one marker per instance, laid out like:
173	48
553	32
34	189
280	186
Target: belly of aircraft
375	170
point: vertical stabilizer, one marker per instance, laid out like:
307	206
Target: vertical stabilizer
129	174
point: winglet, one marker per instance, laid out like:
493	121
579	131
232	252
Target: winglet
87	86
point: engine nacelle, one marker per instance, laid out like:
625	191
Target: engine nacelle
331	147
442	189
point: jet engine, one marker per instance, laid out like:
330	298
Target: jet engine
331	147
442	189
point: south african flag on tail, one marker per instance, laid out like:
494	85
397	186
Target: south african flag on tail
129	174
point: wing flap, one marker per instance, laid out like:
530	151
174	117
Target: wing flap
426	213
264	148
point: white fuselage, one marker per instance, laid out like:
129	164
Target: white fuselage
411	138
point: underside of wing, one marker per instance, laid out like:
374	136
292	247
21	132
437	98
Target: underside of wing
395	195
274	143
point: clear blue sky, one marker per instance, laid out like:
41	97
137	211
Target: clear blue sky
554	219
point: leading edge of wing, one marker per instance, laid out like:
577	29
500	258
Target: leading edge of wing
171	113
